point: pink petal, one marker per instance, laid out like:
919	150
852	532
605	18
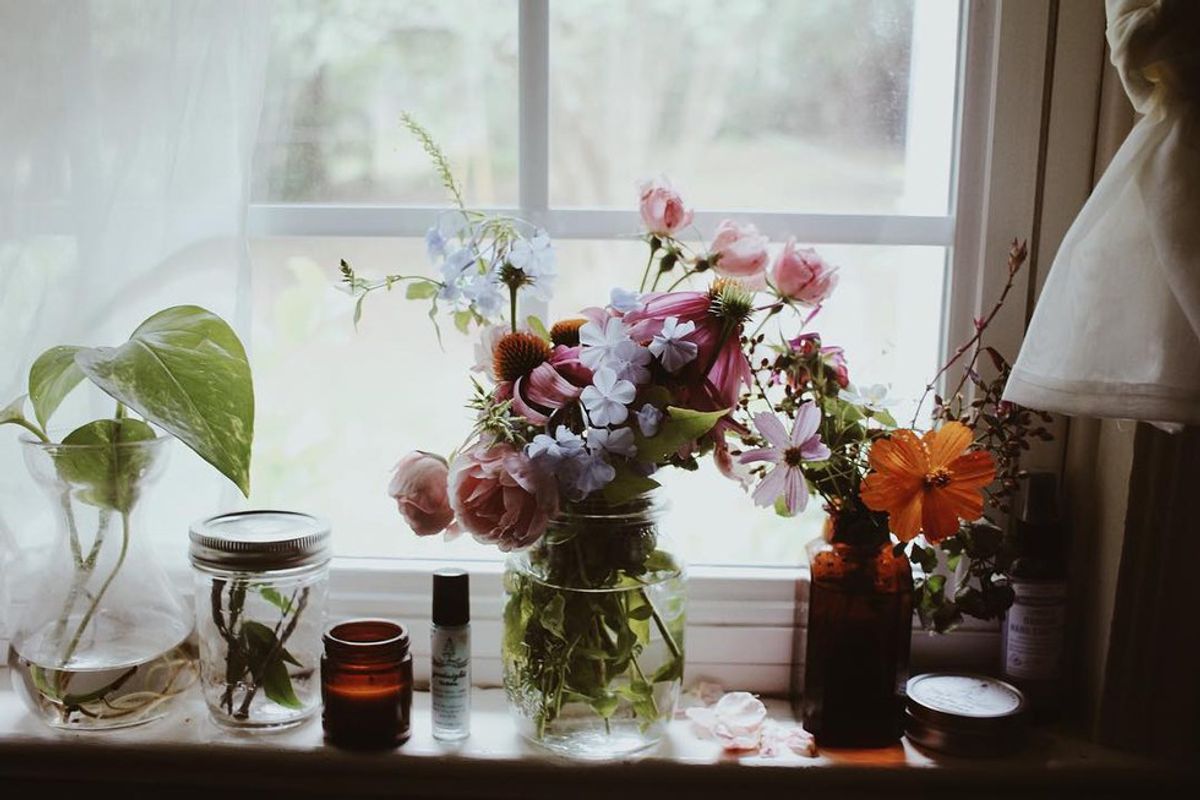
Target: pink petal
772	429
795	493
769	454
808	419
548	389
771	487
814	450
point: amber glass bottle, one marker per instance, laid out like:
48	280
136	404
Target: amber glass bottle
859	633
366	684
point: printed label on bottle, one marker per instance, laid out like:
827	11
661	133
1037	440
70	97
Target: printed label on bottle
450	678
1034	630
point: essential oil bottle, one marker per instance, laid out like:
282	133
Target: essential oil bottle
450	652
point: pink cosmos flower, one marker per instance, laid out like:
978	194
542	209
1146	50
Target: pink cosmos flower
742	253
662	209
786	479
802	275
500	496
419	489
719	370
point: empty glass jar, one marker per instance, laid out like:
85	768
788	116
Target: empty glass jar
261	586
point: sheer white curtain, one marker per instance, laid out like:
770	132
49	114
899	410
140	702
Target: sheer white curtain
127	129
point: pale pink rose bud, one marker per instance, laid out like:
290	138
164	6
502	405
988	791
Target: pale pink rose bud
741	252
802	275
419	486
663	211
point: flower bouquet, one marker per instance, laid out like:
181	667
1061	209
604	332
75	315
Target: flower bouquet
574	418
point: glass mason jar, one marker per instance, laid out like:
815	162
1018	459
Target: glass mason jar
859	633
261	588
101	642
593	631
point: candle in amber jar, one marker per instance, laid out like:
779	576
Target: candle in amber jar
366	684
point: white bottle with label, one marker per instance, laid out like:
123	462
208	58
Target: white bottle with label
450	656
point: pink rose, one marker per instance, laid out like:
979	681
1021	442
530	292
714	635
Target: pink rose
803	275
500	496
419	488
741	253
662	208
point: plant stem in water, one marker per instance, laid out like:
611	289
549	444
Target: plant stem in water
662	626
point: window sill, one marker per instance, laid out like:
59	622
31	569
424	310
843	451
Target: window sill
189	756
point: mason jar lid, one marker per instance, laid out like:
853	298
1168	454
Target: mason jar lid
260	541
965	713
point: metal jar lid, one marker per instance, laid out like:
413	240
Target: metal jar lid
965	714
260	541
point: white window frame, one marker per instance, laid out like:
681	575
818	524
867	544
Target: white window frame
745	624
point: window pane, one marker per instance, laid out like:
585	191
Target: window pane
832	107
342	71
370	396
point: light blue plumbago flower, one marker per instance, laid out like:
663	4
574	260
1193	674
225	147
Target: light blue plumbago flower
606	399
457	264
435	244
631	361
487	295
534	257
649	418
624	300
552	450
592	473
617	442
671	345
599	344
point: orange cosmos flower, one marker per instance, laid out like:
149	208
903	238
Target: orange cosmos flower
928	483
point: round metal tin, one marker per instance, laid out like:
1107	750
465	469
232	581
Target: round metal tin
965	714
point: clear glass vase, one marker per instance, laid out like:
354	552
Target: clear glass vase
593	631
101	642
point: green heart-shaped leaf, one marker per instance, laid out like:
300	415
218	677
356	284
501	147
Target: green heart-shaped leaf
185	370
51	379
14	411
100	466
682	425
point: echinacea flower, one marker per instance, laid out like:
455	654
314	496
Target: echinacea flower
928	483
536	377
606	399
787	453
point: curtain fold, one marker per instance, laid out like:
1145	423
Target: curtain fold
126	136
1116	332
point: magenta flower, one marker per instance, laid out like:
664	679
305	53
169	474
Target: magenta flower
787	453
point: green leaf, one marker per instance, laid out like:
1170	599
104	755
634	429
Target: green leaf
605	704
421	290
627	485
103	472
267	664
681	426
538	327
781	507
884	416
14	411
462	321
51	379
185	370
552	616
272	596
642	612
670	671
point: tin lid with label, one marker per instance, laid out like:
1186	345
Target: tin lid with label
260	541
965	713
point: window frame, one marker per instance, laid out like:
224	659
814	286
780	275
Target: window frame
745	625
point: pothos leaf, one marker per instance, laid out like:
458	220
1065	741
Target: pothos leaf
14	411
51	379
272	596
102	469
185	370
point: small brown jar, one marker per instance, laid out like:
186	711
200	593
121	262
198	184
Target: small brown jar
366	684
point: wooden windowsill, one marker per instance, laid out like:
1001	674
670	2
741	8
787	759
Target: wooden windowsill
187	755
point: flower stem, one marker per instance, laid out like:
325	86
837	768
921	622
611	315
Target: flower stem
662	626
512	301
32	428
646	273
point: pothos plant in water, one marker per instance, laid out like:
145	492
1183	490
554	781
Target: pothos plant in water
100	645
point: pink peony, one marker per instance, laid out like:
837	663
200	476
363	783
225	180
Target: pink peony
663	212
419	488
741	253
802	275
500	496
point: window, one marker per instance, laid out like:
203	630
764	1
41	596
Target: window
834	123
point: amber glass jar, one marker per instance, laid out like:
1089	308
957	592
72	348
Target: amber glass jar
366	684
859	634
